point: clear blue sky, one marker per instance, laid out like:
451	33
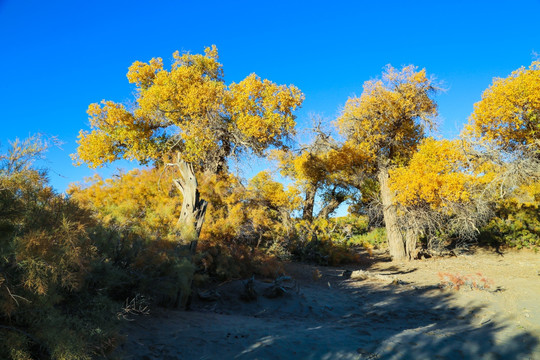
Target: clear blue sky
56	57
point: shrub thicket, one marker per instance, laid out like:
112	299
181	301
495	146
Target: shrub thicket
47	256
66	273
517	220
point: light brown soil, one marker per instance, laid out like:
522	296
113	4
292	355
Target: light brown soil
398	312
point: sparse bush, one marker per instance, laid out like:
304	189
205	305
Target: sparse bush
236	261
324	241
472	282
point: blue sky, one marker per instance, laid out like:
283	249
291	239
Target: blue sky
59	56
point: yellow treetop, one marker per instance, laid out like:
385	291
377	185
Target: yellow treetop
189	109
262	186
438	174
508	115
387	121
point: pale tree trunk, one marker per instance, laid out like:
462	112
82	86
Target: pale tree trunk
396	244
191	218
193	210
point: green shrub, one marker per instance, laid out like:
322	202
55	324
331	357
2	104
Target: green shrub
514	227
325	241
374	239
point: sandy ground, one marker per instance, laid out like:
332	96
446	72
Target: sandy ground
398	312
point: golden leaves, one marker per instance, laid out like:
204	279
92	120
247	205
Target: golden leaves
438	174
509	113
388	119
190	106
262	110
137	200
143	74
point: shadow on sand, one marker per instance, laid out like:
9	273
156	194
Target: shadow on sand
337	318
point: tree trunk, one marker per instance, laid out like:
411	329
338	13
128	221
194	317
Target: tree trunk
329	208
193	207
338	197
309	203
411	237
396	244
190	220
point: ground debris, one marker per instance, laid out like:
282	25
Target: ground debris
249	293
280	287
364	275
209	295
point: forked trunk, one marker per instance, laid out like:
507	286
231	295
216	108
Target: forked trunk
396	245
330	207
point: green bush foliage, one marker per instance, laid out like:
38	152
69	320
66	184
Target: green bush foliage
514	226
373	239
325	241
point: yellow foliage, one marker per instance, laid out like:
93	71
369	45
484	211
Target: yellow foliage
262	186
509	113
189	109
143	202
263	110
255	211
438	174
387	121
136	200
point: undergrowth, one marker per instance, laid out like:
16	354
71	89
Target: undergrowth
471	282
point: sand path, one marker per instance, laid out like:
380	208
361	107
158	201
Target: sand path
334	317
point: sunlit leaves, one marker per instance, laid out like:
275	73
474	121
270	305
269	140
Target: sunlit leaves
438	174
387	121
509	113
189	109
262	110
136	200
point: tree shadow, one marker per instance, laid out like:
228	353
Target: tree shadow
373	321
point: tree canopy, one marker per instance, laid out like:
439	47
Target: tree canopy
383	128
189	109
508	116
387	121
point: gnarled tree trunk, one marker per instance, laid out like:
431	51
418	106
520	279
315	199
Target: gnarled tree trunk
193	210
396	244
193	207
335	201
329	208
191	217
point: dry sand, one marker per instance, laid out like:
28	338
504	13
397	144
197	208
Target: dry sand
397	312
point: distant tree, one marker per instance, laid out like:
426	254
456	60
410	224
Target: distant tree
188	118
313	169
382	128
